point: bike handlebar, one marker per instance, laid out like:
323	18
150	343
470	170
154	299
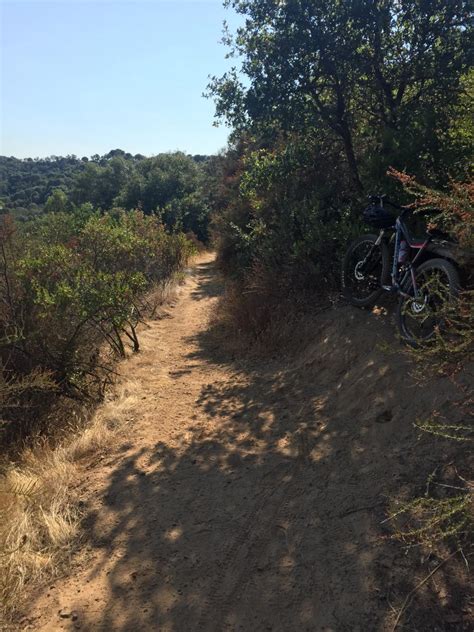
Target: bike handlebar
383	198
376	198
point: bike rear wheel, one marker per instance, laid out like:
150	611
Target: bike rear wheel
365	268
420	318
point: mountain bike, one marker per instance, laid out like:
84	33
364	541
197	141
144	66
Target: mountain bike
422	272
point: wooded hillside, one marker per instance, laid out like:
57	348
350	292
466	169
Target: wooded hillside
174	185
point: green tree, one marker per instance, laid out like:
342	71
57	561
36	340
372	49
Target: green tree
101	184
380	75
57	202
173	185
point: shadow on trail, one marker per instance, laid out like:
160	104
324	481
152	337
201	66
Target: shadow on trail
270	517
209	284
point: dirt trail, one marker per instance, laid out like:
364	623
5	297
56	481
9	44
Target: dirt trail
240	497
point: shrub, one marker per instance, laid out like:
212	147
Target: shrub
70	283
451	211
287	216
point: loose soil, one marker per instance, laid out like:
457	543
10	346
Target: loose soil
250	494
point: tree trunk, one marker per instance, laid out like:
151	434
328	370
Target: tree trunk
338	124
350	155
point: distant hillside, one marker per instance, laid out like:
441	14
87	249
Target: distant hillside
26	184
174	185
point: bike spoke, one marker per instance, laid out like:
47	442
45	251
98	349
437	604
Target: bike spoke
365	269
424	314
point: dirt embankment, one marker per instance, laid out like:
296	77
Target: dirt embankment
250	495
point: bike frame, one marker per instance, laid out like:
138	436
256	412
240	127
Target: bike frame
400	277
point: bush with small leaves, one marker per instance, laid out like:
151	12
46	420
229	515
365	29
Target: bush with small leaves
70	283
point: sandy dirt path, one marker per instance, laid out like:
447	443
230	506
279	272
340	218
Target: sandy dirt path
229	503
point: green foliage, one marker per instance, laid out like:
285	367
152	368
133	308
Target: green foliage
25	185
384	79
427	520
99	184
456	432
69	283
283	214
57	202
173	185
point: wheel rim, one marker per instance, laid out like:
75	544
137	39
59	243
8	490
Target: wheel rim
425	315
364	270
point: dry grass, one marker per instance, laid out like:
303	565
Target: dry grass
259	321
160	295
39	513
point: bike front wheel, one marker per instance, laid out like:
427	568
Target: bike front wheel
422	316
365	268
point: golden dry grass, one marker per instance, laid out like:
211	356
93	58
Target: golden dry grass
39	514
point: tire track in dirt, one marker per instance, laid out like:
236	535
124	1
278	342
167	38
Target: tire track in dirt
241	559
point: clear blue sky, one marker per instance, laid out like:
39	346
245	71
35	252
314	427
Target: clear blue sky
86	77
